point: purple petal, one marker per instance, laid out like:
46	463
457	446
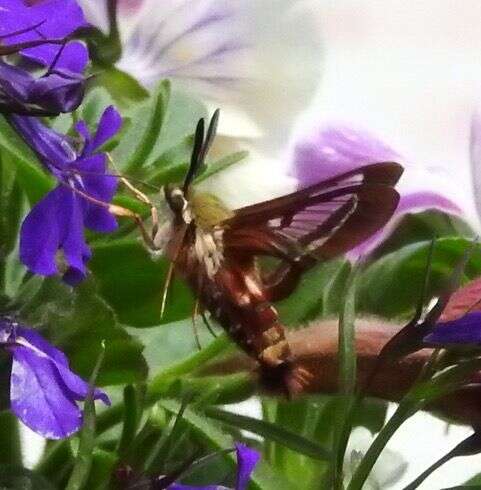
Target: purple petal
463	331
56	93
35	340
54	150
15	82
247	460
56	222
38	397
27	337
70	219
40	236
74	58
179	486
335	150
109	125
59	18
101	187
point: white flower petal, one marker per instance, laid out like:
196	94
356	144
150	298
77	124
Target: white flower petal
260	58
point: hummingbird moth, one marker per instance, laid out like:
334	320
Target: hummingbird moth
217	250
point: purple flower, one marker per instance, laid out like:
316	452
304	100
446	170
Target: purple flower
464	331
247	460
44	27
337	149
43	390
58	220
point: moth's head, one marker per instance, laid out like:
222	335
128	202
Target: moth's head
176	199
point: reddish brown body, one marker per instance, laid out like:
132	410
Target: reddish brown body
236	299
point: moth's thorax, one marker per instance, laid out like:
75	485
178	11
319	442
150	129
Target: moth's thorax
208	211
204	212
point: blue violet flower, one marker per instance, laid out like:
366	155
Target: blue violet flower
44	392
80	200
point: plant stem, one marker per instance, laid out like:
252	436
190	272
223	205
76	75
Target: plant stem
403	412
10	453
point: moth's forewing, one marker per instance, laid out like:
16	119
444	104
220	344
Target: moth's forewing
315	224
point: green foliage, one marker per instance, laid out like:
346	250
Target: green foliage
392	285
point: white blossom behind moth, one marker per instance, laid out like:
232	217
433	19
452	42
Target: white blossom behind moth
215	249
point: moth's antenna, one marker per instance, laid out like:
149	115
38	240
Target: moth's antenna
201	147
196	152
211	132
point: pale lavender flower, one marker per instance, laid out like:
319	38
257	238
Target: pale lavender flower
336	149
44	392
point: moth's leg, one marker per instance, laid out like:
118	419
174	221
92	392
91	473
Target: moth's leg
195	313
165	291
207	323
143	198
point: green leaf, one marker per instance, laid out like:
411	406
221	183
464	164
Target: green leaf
220	165
313	293
83	460
347	348
94	104
270	431
124	89
18	156
474	482
101	470
420	227
77	321
132	283
144	147
392	285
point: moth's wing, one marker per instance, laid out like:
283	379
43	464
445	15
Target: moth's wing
319	222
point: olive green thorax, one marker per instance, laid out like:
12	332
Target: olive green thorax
208	209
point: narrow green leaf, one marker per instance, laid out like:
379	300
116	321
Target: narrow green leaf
147	143
220	165
132	414
270	431
124	89
15	153
101	470
347	347
83	461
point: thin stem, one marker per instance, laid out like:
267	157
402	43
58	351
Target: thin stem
403	412
415	484
469	446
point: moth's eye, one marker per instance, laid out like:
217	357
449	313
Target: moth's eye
175	198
